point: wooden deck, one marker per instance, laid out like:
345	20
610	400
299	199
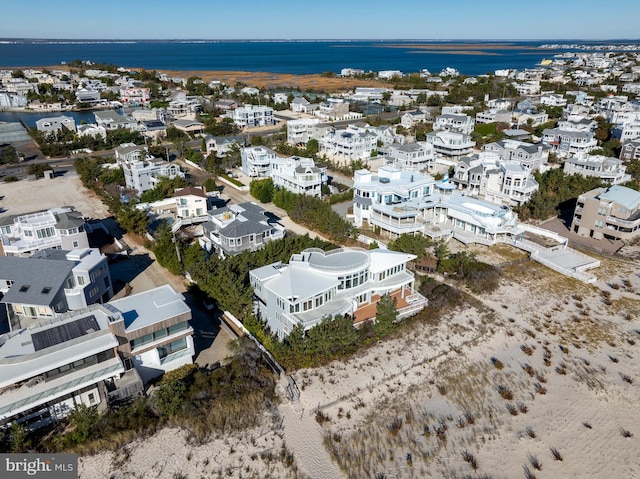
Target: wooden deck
368	311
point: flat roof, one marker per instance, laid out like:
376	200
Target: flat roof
150	307
338	259
622	195
297	283
29	352
382	260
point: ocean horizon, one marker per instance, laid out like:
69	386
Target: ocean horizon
288	56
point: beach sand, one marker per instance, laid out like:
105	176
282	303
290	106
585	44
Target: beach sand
416	406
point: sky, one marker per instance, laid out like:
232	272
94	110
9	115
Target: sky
321	19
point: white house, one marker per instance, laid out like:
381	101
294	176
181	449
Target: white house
222	144
256	161
609	170
299	132
389	74
333	109
553	99
111	120
191	202
411	118
135	96
489	177
531	156
92	355
249	116
58	228
316	284
90	129
450	143
145	175
47	370
458	123
390	188
527	88
627	131
400	202
493	115
298	175
156	329
418	157
55	124
568	142
352	143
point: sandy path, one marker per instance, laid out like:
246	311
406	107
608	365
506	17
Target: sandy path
304	437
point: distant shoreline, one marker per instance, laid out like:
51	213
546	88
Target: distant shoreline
314	81
462	46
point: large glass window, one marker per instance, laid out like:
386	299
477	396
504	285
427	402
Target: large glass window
147	338
178	327
172	347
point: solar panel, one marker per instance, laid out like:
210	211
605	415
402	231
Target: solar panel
64	332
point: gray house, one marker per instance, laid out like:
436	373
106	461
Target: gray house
59	228
236	228
51	282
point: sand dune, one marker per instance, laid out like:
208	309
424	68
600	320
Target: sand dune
432	403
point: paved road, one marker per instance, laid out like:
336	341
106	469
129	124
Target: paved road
229	193
142	272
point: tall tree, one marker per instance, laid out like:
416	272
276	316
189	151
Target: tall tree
386	316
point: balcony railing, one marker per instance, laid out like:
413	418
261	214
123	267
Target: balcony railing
14	245
621	222
395	227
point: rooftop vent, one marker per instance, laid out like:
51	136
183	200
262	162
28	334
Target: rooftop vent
384	180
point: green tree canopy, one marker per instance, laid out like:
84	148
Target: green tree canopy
412	244
262	190
386	315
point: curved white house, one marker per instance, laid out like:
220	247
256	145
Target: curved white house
318	284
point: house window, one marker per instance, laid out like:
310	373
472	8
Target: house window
161	333
29	311
76	244
178	327
92	398
46	232
147	338
81	280
172	347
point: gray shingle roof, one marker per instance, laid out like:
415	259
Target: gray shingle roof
36	280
